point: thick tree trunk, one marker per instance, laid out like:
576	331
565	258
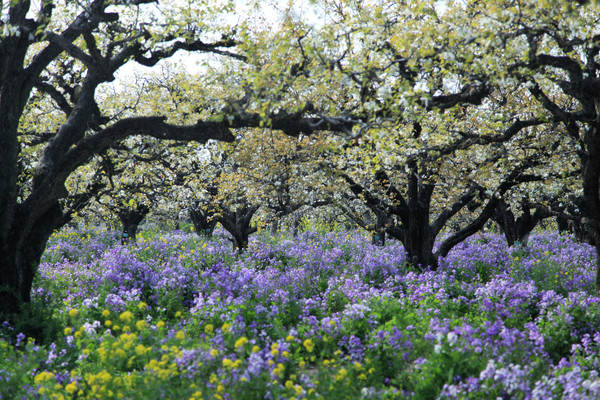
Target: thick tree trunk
591	193
296	224
237	223
418	245
562	224
20	256
130	222
381	223
420	253
416	233
240	241
378	237
418	238
505	219
517	230
204	222
18	267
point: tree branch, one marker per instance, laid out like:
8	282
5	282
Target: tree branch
156	127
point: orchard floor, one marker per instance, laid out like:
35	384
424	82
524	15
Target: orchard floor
327	316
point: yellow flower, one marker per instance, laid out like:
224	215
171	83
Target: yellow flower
71	388
178	314
208	329
289	384
142	306
289	338
214	352
140	325
42	377
196	396
255	349
341	375
274	349
105	313
68	331
73	312
160	324
240	342
103	354
108	322
125	316
310	346
278	371
180	335
226	327
140	349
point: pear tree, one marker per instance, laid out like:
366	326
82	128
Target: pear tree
96	40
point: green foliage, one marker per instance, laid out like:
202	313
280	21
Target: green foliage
20	360
442	367
38	320
566	325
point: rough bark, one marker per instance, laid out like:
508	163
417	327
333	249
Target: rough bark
237	223
19	259
131	218
204	221
591	191
518	229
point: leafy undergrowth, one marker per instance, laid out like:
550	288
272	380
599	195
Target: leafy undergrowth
317	316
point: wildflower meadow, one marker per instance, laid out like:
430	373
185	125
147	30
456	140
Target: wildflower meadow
318	316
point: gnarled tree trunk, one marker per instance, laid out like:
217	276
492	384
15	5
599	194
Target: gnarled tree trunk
204	221
517	229
590	161
131	218
20	254
237	223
